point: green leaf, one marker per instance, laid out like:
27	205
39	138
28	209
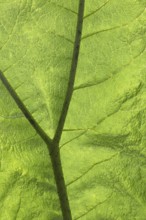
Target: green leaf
102	144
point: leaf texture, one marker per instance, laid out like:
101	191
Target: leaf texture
103	141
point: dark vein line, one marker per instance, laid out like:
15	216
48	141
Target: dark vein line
56	5
24	109
94	207
90	84
90	168
61	36
68	9
72	139
63	7
98	9
75	129
72	73
24	140
101	31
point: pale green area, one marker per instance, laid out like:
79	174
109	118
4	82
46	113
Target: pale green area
103	144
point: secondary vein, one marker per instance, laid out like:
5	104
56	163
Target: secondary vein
24	109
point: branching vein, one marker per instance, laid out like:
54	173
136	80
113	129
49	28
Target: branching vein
53	145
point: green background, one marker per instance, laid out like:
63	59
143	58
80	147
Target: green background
103	142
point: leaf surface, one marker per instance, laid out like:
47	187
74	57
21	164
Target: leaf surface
103	142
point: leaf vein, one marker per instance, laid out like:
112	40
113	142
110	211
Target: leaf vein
90	168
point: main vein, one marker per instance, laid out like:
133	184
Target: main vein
55	151
53	145
72	72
